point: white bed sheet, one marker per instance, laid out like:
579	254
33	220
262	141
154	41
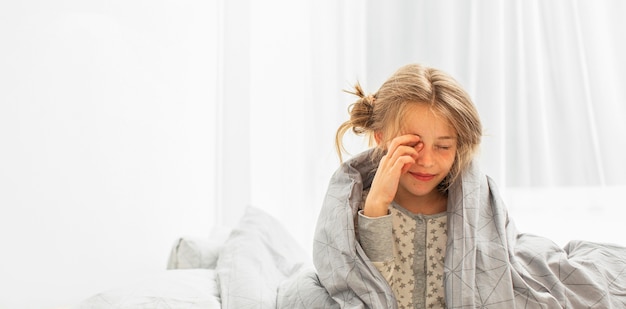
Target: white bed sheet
171	289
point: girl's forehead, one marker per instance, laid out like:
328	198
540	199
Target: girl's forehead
423	119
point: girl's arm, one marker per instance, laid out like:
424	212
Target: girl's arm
376	239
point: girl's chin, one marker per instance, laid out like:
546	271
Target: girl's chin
419	188
422	190
423	193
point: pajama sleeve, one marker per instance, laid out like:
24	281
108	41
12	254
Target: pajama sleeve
376	239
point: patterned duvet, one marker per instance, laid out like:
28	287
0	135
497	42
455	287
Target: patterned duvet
488	263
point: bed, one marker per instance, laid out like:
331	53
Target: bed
489	264
245	268
256	265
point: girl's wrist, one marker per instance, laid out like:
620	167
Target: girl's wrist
375	209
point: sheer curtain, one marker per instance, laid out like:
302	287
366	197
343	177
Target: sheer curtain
284	65
565	106
546	76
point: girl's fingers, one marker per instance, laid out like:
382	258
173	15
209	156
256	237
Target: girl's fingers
402	141
406	139
404	164
405	147
400	164
402	153
385	183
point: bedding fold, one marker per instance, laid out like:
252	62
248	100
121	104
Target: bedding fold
488	263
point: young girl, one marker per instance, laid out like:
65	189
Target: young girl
412	222
426	131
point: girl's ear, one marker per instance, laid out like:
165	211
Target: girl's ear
378	137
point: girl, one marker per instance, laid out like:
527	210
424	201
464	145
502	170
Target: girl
413	223
426	131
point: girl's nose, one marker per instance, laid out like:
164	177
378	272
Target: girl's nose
424	157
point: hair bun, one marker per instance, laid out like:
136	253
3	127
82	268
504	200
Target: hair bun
362	111
361	117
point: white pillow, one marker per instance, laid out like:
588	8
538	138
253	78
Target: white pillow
194	252
171	289
258	255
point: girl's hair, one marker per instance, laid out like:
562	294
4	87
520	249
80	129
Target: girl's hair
415	84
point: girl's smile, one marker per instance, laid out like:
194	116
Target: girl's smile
423	176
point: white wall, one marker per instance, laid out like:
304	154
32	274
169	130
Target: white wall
106	142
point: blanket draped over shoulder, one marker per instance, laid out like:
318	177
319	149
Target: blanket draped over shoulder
488	264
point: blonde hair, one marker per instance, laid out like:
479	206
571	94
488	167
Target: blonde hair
415	84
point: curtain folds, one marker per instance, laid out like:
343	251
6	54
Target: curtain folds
544	75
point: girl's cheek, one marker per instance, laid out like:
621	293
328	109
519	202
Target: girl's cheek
448	156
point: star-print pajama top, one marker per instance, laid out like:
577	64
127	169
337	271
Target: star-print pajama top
408	249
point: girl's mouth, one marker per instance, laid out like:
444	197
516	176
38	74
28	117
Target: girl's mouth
423	177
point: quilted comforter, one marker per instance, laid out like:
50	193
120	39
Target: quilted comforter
488	263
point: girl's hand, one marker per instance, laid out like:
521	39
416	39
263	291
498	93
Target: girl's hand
402	152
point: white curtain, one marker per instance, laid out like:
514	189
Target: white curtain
565	101
547	77
277	148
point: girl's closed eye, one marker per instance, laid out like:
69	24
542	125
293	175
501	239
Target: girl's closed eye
443	147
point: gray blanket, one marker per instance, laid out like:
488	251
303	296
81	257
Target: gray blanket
488	264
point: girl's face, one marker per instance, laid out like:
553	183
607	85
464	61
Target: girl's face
436	154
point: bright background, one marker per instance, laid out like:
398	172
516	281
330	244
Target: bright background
127	124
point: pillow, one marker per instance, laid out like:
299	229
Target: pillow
195	252
258	255
172	289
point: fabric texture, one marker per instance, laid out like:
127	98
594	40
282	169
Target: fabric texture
256	258
195	252
408	249
343	268
488	263
376	237
170	289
